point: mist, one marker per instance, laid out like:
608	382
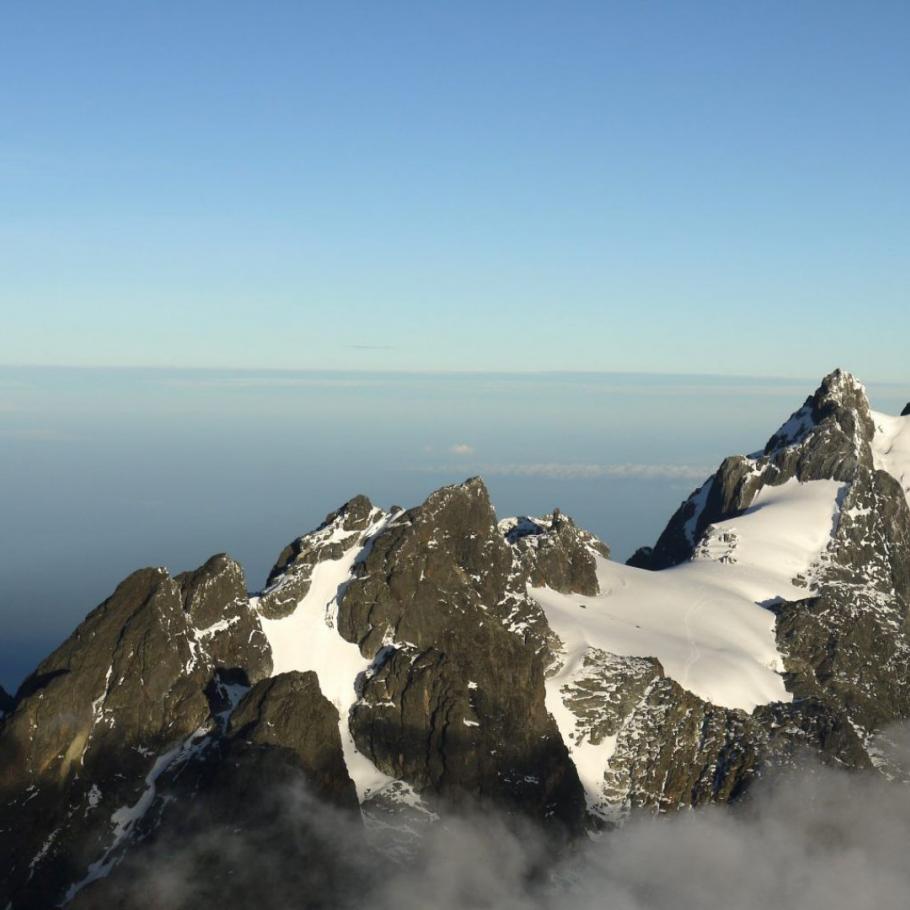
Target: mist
814	839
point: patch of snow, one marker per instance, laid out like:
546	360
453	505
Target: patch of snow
125	818
795	429
891	448
591	759
39	856
308	639
220	626
94	796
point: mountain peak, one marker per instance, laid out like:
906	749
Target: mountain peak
836	417
828	438
906	411
840	389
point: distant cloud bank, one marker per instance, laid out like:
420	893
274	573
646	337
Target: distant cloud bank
571	471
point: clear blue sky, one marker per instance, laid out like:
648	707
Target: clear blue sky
707	187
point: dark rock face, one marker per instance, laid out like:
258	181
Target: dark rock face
289	580
906	411
265	814
849	645
7	703
674	750
129	685
287	720
454	702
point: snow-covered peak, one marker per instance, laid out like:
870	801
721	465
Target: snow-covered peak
842	385
840	397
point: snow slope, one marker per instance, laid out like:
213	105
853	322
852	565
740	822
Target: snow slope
891	447
704	620
308	639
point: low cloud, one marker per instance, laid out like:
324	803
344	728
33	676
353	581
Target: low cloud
462	448
817	839
573	471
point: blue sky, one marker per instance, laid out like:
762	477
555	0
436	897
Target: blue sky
675	187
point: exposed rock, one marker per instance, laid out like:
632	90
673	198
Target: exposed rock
7	703
672	750
287	720
849	645
555	553
129	685
215	598
289	580
272	794
906	411
454	703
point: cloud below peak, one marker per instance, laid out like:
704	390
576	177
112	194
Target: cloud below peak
573	471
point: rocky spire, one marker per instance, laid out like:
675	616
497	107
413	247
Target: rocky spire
828	438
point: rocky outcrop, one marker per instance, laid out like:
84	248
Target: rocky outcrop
134	682
7	703
670	749
454	700
289	580
906	411
271	792
849	645
553	552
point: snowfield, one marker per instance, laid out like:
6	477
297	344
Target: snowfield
705	620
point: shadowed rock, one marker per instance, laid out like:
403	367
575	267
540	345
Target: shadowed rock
454	701
264	815
128	686
7	703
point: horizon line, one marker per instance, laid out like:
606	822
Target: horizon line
380	371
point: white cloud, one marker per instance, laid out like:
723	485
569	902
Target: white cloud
462	448
573	471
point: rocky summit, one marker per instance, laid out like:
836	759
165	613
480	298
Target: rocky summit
402	666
